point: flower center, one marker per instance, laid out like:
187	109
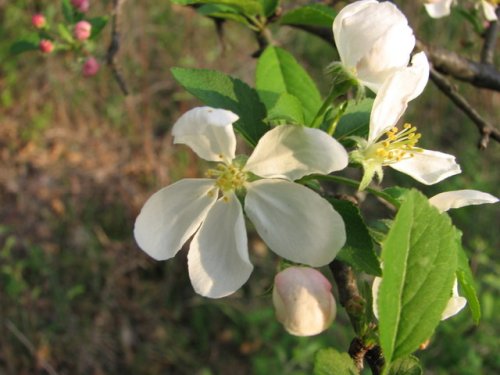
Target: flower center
228	178
399	145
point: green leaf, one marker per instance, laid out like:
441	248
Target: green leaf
358	250
245	7
406	366
466	281
420	258
269	6
22	46
223	12
68	11
355	121
222	91
98	24
278	73
310	15
397	192
64	33
287	109
330	362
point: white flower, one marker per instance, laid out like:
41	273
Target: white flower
303	301
444	202
489	9
373	40
294	221
398	149
438	8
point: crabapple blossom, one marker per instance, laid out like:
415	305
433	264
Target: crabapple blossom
81	5
38	20
294	221
303	301
46	46
373	40
90	67
82	30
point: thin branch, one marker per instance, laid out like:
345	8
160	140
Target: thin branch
490	41
31	348
114	47
485	128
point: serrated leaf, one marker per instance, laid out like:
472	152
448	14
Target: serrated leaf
287	108
310	15
355	121
358	250
64	33
379	229
223	12
278	73
420	257
22	46
245	7
396	192
466	281
98	24
406	366
219	90
67	10
269	6
330	362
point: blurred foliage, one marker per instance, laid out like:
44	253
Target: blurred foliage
78	160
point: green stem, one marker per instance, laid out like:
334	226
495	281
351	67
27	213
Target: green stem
335	92
354	183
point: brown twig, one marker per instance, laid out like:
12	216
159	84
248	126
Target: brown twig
490	41
485	128
31	348
114	47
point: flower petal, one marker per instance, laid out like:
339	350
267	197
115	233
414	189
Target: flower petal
438	8
489	11
218	257
455	304
460	198
393	97
428	167
295	222
171	215
291	152
208	131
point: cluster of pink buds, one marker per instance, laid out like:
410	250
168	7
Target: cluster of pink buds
46	46
81	5
90	67
82	30
38	21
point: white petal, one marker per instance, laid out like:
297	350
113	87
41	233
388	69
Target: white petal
295	222
292	152
208	131
438	8
218	257
460	198
172	215
489	11
455	304
375	288
393	97
358	25
428	167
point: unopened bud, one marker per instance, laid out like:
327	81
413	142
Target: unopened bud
303	301
46	46
82	30
38	20
81	5
90	67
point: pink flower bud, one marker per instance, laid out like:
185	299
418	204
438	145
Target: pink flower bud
82	30
303	301
46	46
38	20
90	67
81	5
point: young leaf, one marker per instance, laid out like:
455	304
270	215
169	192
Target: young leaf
98	24
310	15
466	282
287	108
420	257
277	73
223	12
21	46
245	7
358	249
330	362
64	33
269	6
222	91
355	120
406	366
68	11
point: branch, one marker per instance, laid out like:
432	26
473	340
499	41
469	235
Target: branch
490	41
486	129
114	47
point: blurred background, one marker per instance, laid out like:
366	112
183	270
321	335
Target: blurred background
78	159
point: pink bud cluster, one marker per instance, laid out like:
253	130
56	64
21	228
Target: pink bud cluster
38	20
90	67
46	46
82	30
81	5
